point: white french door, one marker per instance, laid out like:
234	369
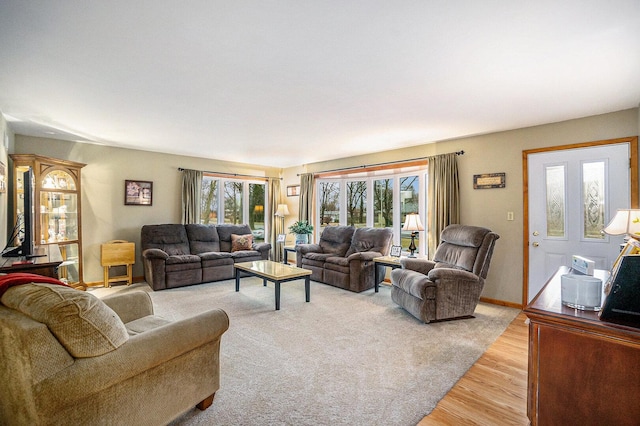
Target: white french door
573	194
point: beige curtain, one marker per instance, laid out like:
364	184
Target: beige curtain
443	196
277	228
306	197
191	189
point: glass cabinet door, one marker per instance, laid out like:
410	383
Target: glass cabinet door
59	220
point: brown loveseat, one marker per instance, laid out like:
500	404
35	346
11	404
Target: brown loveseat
175	255
344	256
69	358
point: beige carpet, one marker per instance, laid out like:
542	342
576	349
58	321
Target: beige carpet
342	359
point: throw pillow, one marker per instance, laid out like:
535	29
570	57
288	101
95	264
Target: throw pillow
241	242
81	322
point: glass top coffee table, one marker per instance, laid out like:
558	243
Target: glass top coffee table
275	272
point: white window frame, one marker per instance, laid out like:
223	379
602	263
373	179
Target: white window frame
396	175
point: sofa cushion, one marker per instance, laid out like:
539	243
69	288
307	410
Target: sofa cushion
214	255
170	238
336	239
203	238
459	246
81	322
319	257
225	230
371	239
145	323
241	242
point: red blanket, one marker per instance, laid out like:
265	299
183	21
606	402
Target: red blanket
18	278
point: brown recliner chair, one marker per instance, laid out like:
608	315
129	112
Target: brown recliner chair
449	286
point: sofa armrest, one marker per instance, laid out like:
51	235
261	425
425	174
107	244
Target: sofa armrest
140	353
416	264
155	253
439	275
363	255
263	248
308	248
130	306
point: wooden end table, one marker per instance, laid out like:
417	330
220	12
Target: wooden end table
288	249
389	261
275	272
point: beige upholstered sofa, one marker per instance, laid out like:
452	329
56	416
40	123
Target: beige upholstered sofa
69	358
449	286
344	256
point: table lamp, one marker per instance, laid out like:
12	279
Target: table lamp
412	223
625	222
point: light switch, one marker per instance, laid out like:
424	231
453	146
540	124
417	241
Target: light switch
509	215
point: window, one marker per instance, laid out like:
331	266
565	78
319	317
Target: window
234	201
383	203
357	203
409	203
380	199
328	204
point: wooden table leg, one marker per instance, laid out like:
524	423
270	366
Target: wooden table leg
237	279
277	295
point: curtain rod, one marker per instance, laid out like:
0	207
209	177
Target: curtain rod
380	164
180	169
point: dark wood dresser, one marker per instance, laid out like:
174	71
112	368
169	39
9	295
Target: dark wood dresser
581	370
46	263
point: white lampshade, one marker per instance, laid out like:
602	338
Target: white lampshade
282	211
625	222
412	223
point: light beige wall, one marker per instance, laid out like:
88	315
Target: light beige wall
496	152
104	215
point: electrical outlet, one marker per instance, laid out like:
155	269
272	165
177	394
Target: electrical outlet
509	215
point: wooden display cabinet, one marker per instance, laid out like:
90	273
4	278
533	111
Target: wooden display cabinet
57	207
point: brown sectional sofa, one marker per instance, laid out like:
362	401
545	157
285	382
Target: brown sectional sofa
344	256
175	255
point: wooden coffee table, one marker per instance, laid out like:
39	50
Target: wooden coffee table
275	272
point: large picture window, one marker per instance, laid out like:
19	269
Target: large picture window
379	199
234	201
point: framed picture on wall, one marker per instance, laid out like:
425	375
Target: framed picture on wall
138	193
293	190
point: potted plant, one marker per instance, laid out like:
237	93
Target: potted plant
302	229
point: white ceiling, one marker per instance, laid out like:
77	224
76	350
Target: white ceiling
284	83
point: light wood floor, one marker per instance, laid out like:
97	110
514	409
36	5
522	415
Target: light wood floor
494	390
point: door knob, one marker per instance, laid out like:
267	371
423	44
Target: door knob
536	233
536	244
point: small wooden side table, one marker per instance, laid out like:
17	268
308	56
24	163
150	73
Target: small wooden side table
117	253
288	249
